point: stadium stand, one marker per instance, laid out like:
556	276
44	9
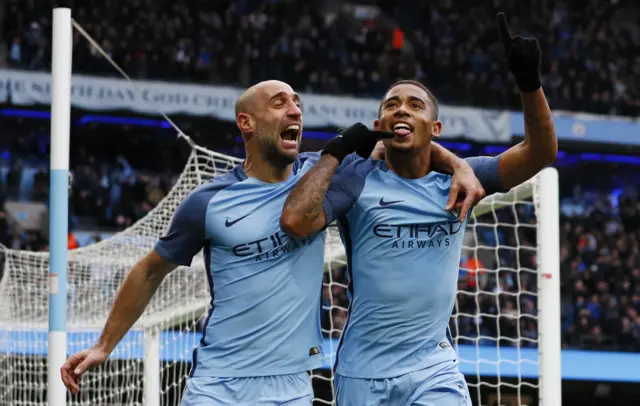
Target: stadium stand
591	50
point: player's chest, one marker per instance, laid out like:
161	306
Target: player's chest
405	216
242	219
404	203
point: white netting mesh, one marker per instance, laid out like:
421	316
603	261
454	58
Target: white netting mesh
494	304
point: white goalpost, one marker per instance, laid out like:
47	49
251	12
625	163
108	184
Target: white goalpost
549	313
59	200
505	325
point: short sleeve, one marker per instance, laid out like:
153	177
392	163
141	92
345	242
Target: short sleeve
187	231
347	161
345	188
487	170
311	156
314	157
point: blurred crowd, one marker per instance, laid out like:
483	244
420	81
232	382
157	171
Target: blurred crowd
116	179
591	49
600	262
106	196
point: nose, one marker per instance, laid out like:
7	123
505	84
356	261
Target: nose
401	111
294	111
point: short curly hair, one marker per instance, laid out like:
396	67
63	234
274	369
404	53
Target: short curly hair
435	106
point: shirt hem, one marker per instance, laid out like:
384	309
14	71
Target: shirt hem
227	373
393	374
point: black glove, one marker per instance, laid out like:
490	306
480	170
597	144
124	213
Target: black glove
523	57
357	138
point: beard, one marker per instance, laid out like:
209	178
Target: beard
269	147
274	156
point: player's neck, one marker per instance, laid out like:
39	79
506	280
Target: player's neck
266	171
409	164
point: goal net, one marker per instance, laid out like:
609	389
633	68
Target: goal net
494	322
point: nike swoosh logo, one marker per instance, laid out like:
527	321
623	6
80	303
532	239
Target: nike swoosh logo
228	223
383	203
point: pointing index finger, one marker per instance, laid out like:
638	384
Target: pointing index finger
503	29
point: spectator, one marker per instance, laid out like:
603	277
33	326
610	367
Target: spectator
41	185
14	180
589	50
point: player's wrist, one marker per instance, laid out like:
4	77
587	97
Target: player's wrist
103	347
458	164
335	160
336	148
528	82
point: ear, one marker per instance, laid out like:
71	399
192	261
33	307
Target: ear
376	125
437	128
245	123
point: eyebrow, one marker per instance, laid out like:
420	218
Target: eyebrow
295	96
412	98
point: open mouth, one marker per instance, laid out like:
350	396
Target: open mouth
402	129
290	135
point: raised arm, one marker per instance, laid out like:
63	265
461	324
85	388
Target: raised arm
540	145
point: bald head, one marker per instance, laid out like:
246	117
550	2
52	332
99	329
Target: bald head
269	117
247	101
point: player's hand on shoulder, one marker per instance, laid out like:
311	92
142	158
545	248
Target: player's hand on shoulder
78	364
357	138
466	191
379	151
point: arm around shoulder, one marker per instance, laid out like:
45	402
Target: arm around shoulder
323	194
303	213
